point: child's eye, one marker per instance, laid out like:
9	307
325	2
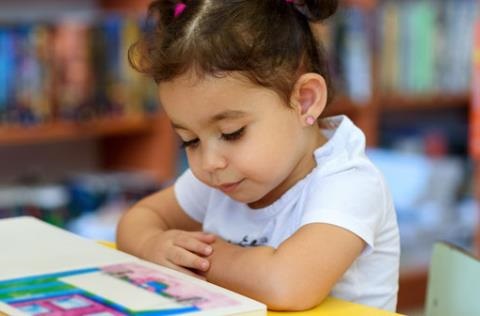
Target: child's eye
235	135
190	143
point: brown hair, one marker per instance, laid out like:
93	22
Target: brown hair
268	41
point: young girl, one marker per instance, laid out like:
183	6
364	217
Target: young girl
278	204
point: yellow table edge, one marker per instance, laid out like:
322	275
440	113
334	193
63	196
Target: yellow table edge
336	307
330	306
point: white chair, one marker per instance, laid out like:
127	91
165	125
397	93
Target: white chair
453	282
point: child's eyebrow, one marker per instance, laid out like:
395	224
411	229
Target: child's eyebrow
230	114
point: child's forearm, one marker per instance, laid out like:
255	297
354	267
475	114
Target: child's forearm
136	227
231	267
257	273
297	275
150	217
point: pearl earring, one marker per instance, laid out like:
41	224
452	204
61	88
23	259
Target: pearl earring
310	120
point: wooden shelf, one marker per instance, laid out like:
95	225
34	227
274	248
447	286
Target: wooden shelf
424	102
139	6
155	151
61	131
344	105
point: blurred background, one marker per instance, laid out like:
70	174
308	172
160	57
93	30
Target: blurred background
82	136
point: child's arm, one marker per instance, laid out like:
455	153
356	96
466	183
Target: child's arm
296	276
157	229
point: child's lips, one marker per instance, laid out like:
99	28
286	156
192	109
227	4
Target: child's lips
229	187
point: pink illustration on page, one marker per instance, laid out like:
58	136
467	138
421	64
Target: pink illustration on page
179	290
67	305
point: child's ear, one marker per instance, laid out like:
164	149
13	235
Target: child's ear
309	97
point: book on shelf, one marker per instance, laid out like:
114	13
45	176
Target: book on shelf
48	271
474	137
71	69
349	50
424	47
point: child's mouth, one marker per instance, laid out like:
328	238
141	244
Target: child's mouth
229	187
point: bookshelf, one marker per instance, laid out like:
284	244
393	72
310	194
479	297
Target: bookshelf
120	139
415	105
401	108
413	279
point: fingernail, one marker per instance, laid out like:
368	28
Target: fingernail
204	265
208	250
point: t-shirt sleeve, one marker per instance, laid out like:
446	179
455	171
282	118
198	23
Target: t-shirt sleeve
353	200
192	195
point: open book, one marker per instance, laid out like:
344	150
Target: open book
45	270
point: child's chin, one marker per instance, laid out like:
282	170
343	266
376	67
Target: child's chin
244	199
257	203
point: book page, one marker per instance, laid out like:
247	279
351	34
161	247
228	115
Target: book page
45	270
120	289
30	247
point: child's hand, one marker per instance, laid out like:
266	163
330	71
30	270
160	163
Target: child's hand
180	250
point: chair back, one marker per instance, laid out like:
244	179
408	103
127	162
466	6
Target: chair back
453	282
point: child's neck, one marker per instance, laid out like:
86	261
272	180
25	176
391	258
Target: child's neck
302	169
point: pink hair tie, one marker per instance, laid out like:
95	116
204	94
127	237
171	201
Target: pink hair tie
290	1
179	8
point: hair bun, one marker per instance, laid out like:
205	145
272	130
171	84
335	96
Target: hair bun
317	10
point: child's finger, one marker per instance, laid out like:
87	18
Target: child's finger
186	271
193	245
205	237
208	238
184	258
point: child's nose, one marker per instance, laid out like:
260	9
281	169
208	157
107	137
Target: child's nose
213	159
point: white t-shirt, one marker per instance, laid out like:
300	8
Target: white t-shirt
344	189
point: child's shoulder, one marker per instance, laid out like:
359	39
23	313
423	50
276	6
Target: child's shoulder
349	177
343	157
356	175
353	196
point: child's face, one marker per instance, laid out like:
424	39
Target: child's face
240	138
